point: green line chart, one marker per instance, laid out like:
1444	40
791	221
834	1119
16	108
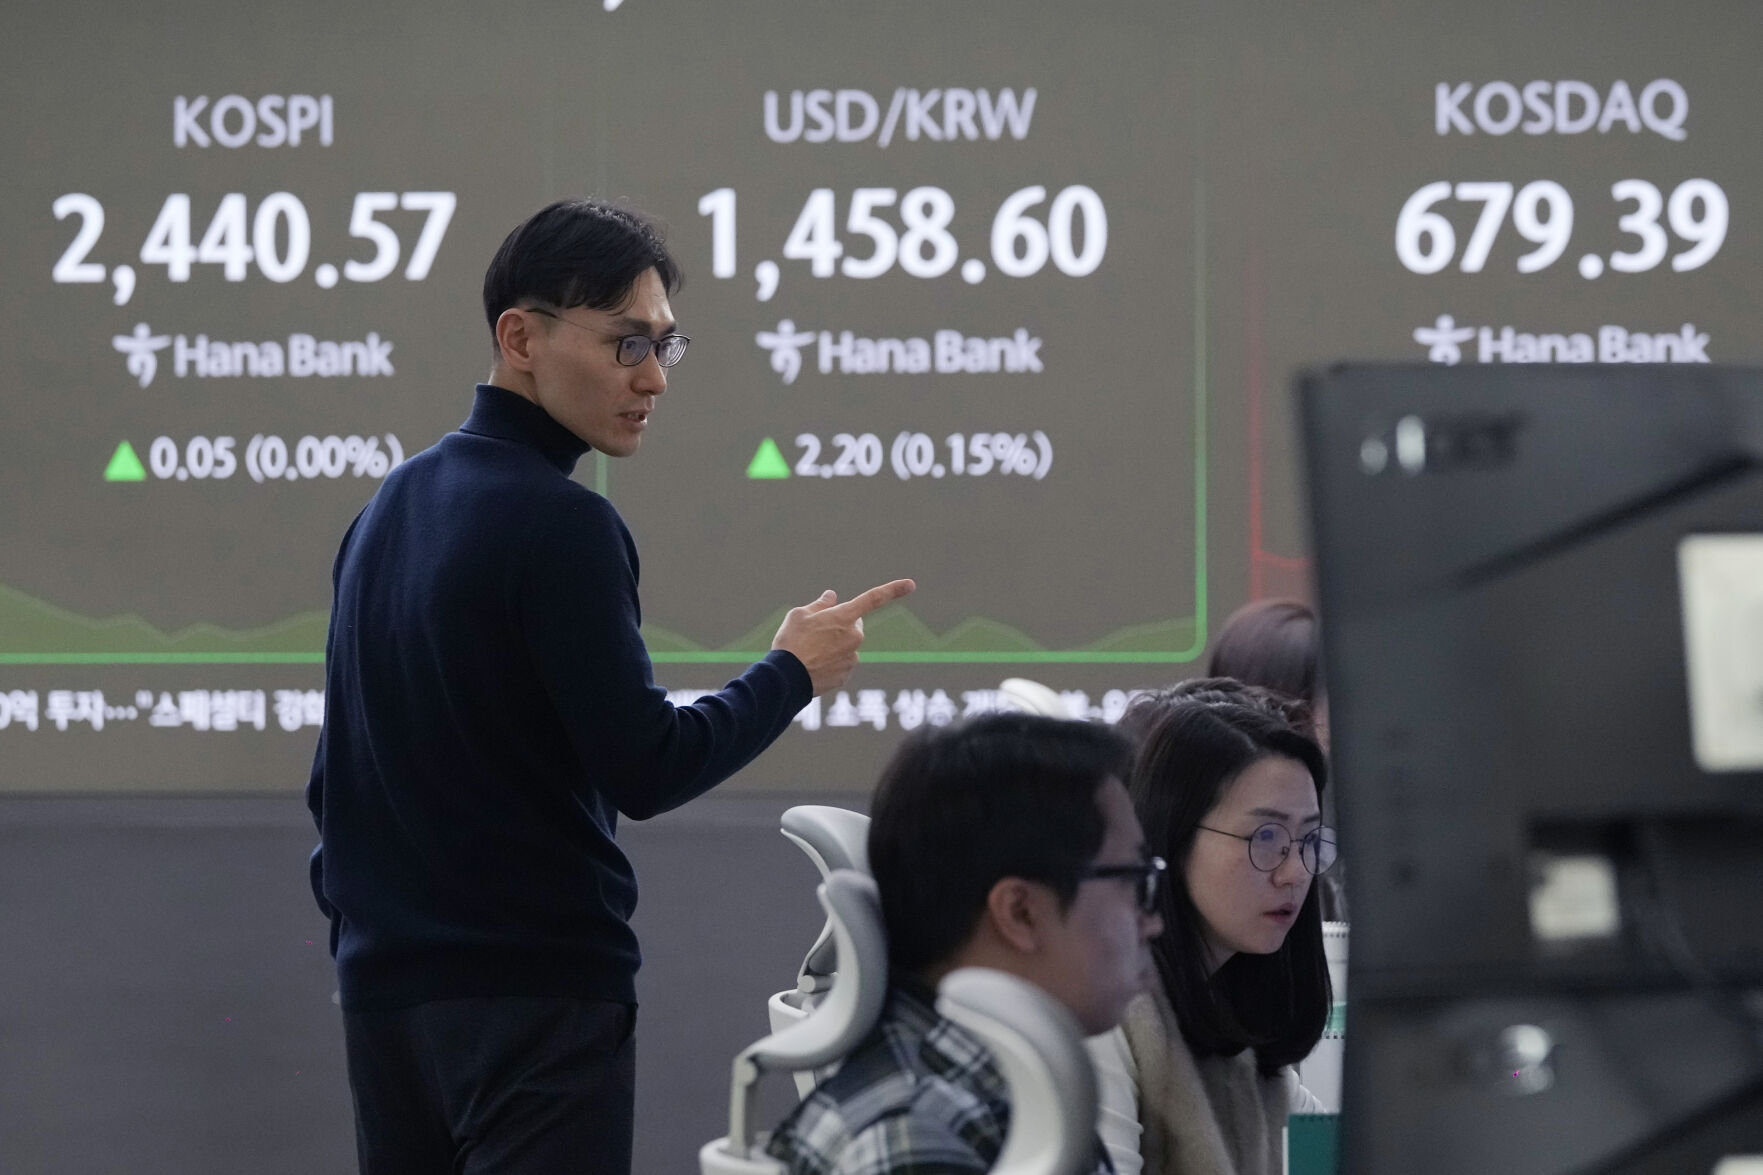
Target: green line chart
35	632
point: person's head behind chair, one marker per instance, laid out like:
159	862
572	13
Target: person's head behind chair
1009	841
1275	644
1148	706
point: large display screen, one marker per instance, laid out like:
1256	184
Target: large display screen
1005	298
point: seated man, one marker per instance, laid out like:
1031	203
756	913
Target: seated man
1006	842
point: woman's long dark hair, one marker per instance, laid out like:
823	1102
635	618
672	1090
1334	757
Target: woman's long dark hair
1276	1004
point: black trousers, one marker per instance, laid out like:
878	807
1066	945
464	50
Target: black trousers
509	1085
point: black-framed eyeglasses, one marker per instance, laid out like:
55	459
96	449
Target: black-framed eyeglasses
1148	874
633	349
1271	844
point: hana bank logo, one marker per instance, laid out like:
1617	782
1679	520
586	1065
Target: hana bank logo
142	349
300	356
1445	341
785	344
942	351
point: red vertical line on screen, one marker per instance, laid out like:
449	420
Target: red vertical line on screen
1253	285
1260	558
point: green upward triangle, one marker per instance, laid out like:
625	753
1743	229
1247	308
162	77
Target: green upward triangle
124	465
766	463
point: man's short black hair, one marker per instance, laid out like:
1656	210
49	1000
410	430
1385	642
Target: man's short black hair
962	807
576	253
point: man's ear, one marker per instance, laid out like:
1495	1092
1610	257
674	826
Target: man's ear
515	331
1018	911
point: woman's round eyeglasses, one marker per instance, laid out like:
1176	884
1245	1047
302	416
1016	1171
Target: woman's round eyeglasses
1271	844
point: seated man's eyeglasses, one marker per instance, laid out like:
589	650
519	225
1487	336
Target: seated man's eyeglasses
633	349
1148	874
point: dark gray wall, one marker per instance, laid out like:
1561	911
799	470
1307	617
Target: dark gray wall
165	988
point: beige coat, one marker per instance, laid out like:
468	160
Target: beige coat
1216	1116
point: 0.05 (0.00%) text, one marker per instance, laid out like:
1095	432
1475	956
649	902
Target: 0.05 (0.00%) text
266	459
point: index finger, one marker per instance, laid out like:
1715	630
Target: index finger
860	606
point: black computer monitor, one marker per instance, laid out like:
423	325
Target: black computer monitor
1542	601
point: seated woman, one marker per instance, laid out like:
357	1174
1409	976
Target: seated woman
1198	1079
1276	644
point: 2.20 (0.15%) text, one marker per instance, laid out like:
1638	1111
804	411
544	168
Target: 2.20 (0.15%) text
916	454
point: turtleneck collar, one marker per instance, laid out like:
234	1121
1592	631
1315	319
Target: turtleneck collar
505	415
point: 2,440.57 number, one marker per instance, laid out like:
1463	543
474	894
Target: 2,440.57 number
277	237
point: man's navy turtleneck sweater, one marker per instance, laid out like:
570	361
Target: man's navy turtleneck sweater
490	711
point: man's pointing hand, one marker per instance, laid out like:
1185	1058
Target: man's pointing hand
825	634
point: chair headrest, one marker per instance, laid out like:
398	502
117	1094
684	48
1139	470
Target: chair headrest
1039	1048
1031	697
860	984
833	838
840	1021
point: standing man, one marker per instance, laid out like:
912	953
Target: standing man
491	711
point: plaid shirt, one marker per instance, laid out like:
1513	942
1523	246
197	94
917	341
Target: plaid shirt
920	1096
